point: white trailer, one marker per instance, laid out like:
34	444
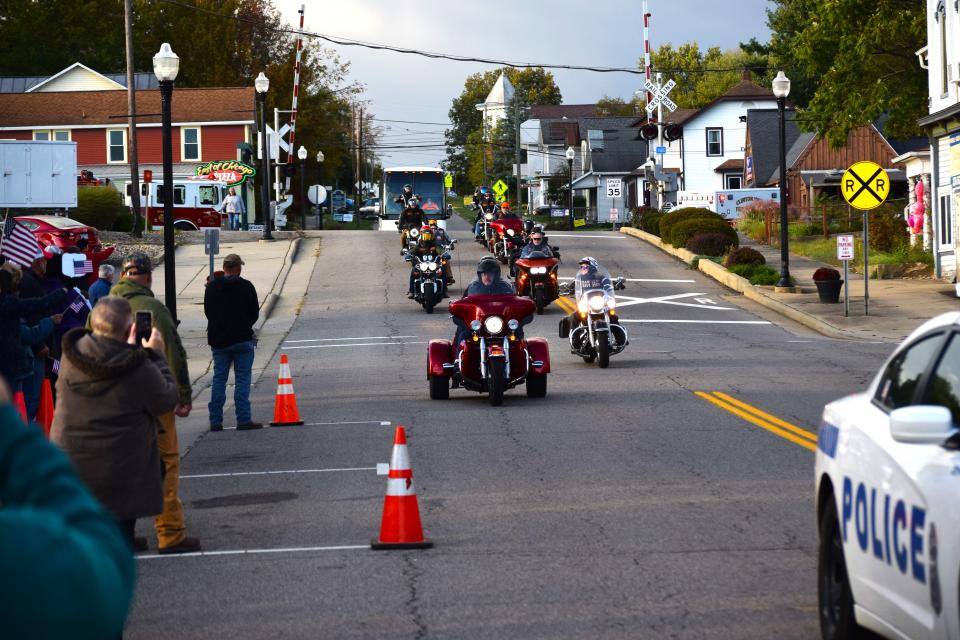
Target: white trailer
38	174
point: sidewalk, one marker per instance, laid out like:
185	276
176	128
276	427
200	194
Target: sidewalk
897	306
279	270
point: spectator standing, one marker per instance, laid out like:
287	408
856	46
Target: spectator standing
134	285
232	308
69	572
110	393
233	205
101	287
32	286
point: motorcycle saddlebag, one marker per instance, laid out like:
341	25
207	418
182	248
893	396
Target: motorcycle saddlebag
564	327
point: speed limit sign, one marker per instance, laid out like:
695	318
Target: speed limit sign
614	187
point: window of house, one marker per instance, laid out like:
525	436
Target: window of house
60	135
941	18
41	135
595	136
715	142
945	218
733	181
179	194
903	375
116	145
190	143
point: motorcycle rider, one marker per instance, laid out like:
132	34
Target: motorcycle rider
591	275
489	282
427	245
538	242
412	215
487	204
444	243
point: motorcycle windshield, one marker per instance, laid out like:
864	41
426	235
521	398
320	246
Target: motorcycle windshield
595	279
478	307
538	255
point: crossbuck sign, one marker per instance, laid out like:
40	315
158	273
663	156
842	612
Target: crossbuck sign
660	95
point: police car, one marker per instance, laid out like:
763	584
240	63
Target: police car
888	495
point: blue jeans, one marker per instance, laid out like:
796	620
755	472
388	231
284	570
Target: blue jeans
234	221
240	355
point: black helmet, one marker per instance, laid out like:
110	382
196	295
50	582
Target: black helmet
528	226
488	264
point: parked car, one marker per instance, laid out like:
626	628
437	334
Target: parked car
886	486
64	233
370	209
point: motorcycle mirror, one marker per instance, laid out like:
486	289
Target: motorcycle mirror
404	251
408	258
454	241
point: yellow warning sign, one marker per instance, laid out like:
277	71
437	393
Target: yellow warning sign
500	187
865	185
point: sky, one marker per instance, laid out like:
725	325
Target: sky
603	33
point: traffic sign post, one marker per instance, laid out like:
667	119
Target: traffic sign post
865	186
845	255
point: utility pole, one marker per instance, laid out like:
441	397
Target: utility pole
138	223
516	111
359	192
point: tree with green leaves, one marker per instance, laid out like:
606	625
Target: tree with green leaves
610	107
703	76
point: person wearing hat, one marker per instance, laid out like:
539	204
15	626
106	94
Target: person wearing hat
134	285
232	308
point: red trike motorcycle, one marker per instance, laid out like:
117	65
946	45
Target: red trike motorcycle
492	356
537	278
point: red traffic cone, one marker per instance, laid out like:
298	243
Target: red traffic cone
45	410
400	527
285	412
21	406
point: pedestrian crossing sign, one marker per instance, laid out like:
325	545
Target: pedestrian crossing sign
865	185
500	187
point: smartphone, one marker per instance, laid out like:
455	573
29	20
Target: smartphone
144	326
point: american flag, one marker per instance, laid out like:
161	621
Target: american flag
78	304
56	366
18	244
88	266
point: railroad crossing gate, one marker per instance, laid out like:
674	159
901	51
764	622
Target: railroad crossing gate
500	188
865	185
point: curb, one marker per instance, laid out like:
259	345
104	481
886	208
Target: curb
741	285
271	300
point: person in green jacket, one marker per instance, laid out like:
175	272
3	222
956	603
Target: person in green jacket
134	285
68	572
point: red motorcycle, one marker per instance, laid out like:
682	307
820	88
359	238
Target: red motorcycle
537	278
505	237
494	356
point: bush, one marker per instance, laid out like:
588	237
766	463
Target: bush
686	229
709	244
888	231
124	222
756	273
98	207
826	273
679	215
744	255
638	215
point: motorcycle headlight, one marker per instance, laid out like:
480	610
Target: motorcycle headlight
488	216
538	270
510	232
582	305
493	324
513	325
432	266
596	303
414	233
475	325
612	302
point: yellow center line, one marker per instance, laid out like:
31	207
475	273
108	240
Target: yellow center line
803	433
752	419
566	304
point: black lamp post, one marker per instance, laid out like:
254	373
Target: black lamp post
166	64
302	154
570	155
262	85
320	180
781	89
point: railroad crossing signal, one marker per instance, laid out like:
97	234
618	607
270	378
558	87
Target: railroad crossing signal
865	185
660	95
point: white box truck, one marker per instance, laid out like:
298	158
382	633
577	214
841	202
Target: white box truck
38	174
729	203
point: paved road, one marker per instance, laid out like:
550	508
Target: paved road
623	505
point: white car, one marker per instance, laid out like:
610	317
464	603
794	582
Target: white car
888	495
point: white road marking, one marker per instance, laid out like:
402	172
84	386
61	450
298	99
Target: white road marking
351	344
343	339
644	280
800	341
382	423
651	321
668	300
579	235
705	301
273	473
244	552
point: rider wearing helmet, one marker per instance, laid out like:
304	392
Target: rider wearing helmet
427	244
590	275
412	215
444	243
489	281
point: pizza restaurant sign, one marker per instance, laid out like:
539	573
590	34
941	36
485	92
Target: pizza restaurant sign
230	171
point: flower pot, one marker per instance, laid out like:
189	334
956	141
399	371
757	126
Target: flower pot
829	290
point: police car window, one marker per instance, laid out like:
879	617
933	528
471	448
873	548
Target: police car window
944	386
900	380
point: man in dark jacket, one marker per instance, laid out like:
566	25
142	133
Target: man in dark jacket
134	285
101	287
110	395
232	308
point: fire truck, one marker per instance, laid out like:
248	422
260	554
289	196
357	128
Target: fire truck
196	203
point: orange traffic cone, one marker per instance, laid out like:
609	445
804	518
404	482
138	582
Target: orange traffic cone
45	410
400	527
285	412
21	406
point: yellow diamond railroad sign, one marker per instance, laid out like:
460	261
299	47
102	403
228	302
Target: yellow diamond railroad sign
500	187
865	185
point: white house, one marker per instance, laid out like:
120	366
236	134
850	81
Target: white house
941	58
545	137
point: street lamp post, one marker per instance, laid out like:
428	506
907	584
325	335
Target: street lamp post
570	156
320	204
166	64
302	154
262	85
781	89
